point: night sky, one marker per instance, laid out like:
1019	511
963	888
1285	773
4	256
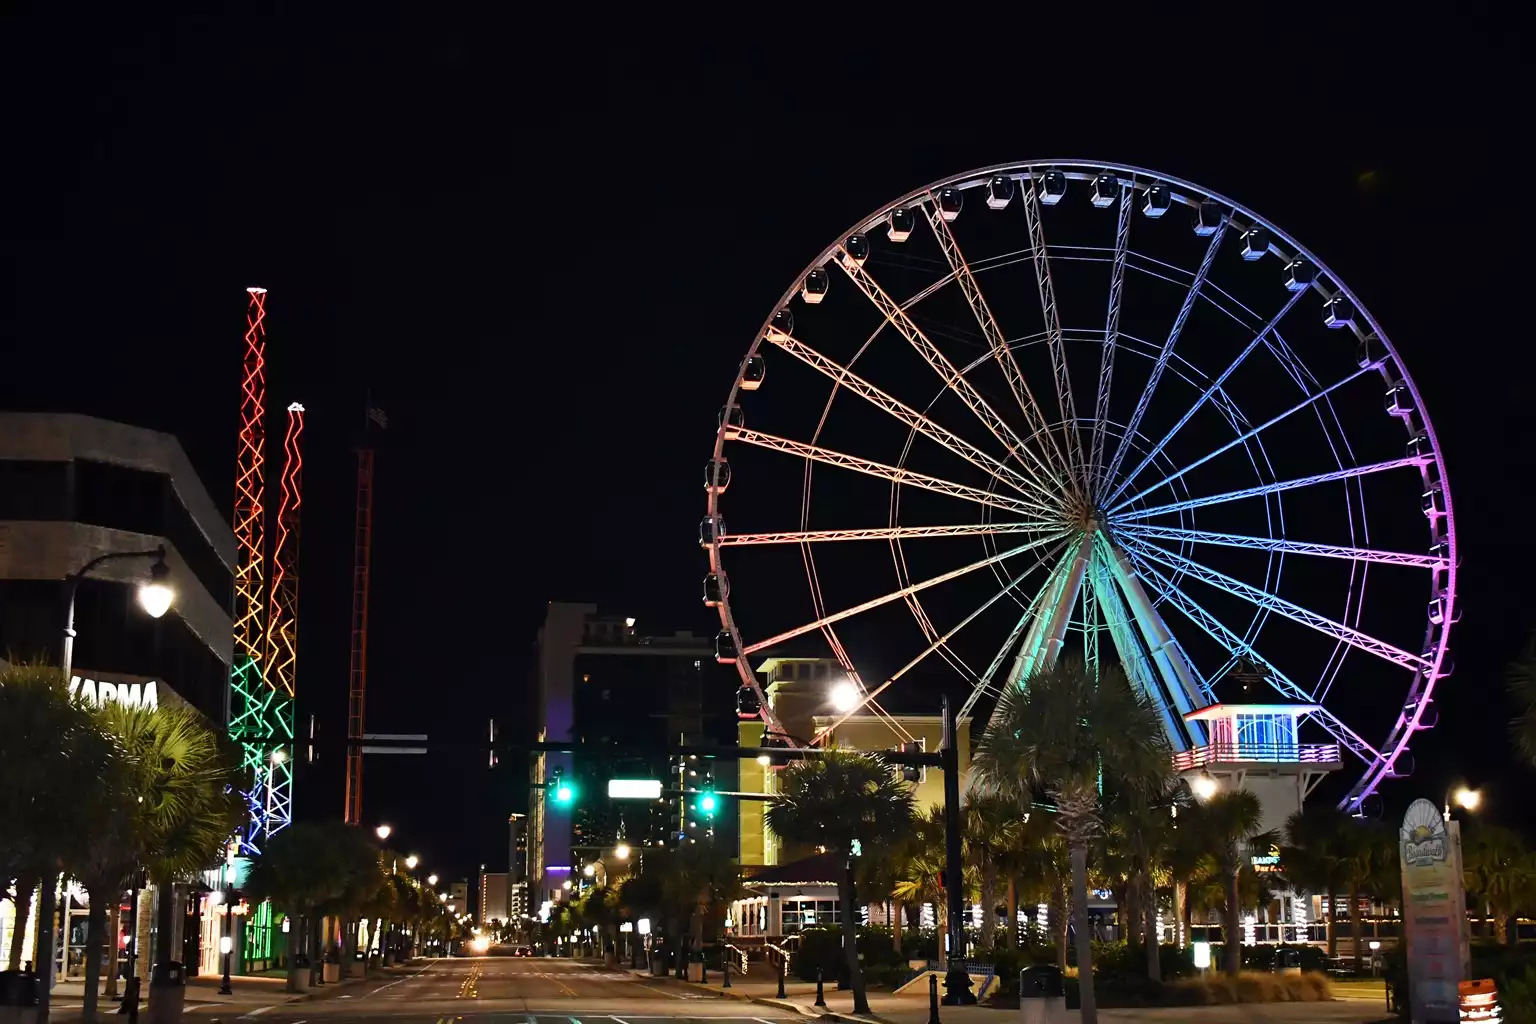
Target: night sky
544	247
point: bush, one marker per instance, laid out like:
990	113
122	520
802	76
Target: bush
1257	987
1267	957
823	947
1123	958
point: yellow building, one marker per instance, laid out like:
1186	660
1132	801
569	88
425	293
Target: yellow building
799	692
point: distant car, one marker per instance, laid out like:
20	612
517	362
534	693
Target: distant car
522	951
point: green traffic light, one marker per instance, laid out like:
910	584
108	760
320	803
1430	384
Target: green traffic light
564	794
707	803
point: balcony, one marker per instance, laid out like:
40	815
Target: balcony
1227	752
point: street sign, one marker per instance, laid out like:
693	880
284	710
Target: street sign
634	789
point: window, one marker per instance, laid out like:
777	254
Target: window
1266	735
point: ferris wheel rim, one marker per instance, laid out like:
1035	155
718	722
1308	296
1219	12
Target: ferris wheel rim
1424	680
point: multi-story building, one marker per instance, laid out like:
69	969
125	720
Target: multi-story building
799	690
73	488
603	683
494	903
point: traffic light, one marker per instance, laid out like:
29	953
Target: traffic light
912	772
708	801
563	789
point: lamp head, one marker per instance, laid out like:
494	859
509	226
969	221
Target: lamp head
621	851
845	696
1204	786
411	862
431	879
1468	799
383	831
155	597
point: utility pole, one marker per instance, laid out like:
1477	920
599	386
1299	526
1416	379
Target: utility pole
957	981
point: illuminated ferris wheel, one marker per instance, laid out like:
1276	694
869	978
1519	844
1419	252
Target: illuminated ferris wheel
1070	406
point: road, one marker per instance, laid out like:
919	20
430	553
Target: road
522	991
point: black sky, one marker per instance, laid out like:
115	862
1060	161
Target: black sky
543	247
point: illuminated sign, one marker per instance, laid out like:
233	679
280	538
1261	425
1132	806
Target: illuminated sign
98	692
634	789
1266	863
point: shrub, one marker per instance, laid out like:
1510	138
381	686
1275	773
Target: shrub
1257	987
819	947
1123	958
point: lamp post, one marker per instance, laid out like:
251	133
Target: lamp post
154	597
226	943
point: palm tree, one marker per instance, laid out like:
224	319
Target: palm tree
170	810
1499	868
54	793
991	821
300	870
1520	679
1054	738
1368	847
1319	845
921	864
843	801
1142	827
1230	822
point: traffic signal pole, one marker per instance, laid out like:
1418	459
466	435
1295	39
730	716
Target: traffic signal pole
957	980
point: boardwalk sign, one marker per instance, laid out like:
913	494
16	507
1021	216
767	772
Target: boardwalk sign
97	692
1434	912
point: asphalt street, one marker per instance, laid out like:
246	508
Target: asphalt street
534	990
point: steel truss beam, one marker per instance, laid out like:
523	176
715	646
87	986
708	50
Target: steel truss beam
1042	644
1205	396
1235	540
1181	683
1165	354
1052	316
881	533
1111	333
1119	518
1134	656
1238	647
895	474
1270	602
1249	435
951	377
1002	352
941	641
897	595
911	417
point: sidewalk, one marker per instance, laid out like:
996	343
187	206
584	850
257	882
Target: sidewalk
253	991
913	1009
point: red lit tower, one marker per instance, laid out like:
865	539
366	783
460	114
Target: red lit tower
362	556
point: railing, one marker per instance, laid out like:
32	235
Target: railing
1275	753
741	957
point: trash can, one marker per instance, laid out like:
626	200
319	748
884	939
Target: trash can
167	993
696	966
330	972
1288	961
1042	995
18	997
298	972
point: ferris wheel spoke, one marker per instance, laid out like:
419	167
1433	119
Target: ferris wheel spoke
1165	354
1120	518
1216	385
1270	602
1111	333
895	474
880	533
1043	643
897	317
1052	314
897	595
984	685
1238	647
906	414
1248	435
1236	540
939	642
1034	419
1184	686
1135	658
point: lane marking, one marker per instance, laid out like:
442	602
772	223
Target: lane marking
410	977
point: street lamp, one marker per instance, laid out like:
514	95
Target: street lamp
411	862
155	597
1204	785
621	851
383	831
1464	797
846	696
431	879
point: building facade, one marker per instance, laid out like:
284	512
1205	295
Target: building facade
73	488
603	683
799	691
